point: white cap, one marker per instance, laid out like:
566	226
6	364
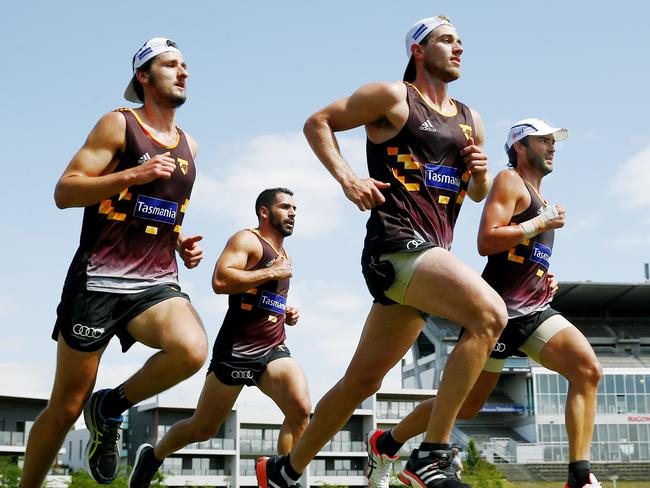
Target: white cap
420	30
533	127
150	49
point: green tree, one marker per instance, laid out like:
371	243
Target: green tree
9	473
473	454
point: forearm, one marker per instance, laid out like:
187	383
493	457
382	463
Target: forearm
231	280
323	142
82	191
501	239
479	187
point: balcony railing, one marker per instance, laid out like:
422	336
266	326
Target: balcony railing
343	446
257	445
214	443
196	472
12	438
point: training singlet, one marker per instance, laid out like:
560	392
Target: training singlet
428	179
128	241
254	322
519	274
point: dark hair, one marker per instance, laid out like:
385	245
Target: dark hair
512	153
137	86
267	198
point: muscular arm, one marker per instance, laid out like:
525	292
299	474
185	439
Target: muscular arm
232	274
89	177
481	180
377	104
495	235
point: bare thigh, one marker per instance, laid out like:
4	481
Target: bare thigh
167	323
285	383
442	285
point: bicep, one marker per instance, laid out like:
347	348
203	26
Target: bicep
479	131
236	254
499	207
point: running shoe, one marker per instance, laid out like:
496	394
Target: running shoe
433	470
379	465
102	451
145	467
269	473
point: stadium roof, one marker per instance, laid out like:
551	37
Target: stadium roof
588	299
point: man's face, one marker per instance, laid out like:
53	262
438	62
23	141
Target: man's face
539	153
282	214
442	52
167	78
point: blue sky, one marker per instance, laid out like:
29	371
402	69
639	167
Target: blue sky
257	70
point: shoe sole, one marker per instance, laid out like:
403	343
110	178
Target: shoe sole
260	472
409	479
137	458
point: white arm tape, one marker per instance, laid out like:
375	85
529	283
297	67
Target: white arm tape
537	224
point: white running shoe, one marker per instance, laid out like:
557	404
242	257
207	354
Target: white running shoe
379	465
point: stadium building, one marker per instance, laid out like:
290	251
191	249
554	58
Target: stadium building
523	419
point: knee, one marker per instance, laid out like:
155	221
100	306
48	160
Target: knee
204	432
589	373
191	354
298	414
67	414
362	386
494	320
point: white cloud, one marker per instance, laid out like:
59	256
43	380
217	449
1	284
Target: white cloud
629	241
631	181
228	194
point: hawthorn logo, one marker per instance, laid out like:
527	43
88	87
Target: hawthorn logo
183	165
467	130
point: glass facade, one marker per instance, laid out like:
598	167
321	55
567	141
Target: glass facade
622	430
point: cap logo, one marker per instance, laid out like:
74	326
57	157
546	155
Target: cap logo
419	31
144	53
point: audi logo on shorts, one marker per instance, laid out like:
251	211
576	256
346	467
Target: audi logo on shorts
88	332
499	347
242	375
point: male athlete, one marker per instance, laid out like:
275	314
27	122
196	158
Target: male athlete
516	233
254	270
424	157
134	175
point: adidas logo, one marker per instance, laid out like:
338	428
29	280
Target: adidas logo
428	126
144	158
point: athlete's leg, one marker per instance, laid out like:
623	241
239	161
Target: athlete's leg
416	422
569	353
73	382
214	404
174	327
285	383
387	335
443	286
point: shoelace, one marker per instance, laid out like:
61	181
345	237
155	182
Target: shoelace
109	438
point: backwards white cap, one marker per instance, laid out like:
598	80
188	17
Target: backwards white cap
533	127
150	49
415	35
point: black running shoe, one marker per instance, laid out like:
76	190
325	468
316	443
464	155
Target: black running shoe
433	470
102	450
593	482
145	467
269	473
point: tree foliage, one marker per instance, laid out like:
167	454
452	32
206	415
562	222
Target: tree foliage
9	473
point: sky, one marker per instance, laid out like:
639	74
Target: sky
257	71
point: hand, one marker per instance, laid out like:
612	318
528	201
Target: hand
552	283
558	221
160	166
475	159
190	252
281	268
365	193
292	315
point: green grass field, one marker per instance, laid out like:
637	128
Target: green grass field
560	484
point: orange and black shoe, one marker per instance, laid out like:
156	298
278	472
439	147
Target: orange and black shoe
430	470
270	473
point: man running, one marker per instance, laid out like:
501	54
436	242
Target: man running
254	270
517	233
134	176
424	156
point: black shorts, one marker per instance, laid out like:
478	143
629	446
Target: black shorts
517	331
233	371
379	275
88	320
